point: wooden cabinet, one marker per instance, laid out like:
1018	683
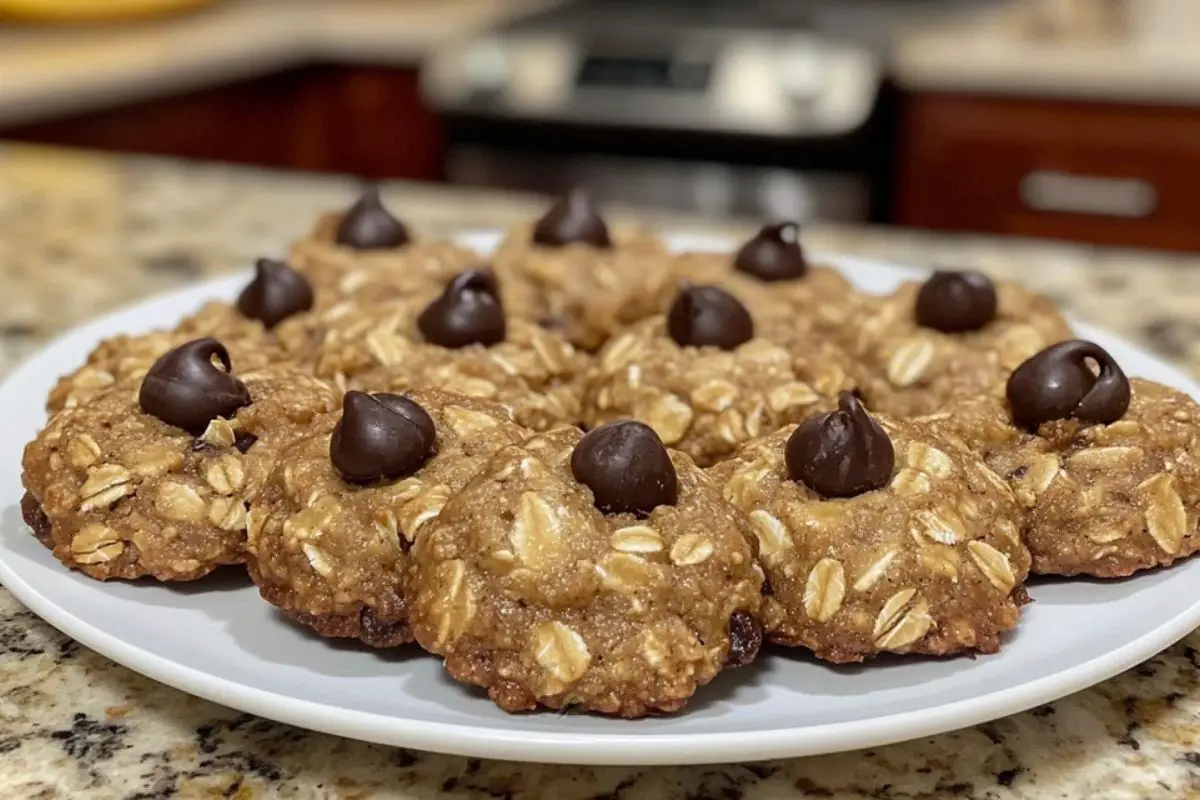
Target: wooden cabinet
363	120
1112	174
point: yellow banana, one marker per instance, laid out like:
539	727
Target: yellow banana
88	10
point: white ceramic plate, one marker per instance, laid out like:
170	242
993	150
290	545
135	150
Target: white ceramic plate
216	639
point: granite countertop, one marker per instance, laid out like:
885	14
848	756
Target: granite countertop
80	234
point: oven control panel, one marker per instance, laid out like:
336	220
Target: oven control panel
784	84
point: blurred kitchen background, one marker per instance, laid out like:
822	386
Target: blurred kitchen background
1066	119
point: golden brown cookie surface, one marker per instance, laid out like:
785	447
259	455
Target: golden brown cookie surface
121	357
706	401
590	292
126	495
1110	500
332	553
917	369
526	588
930	562
413	269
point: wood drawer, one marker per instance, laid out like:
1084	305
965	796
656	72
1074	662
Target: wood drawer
1125	175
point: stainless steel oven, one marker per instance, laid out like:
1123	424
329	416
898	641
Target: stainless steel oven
768	108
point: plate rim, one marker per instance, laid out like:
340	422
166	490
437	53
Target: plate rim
627	749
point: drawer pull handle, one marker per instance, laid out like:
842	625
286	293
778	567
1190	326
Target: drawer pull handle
1063	192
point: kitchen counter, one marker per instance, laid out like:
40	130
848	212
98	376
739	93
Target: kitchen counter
80	234
51	70
989	53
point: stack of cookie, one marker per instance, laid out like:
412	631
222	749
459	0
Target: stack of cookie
594	473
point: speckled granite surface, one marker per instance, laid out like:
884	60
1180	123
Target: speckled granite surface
80	234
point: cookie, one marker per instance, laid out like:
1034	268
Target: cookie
1106	467
464	342
330	533
365	255
878	536
120	358
770	274
247	328
956	335
151	477
589	281
704	381
601	572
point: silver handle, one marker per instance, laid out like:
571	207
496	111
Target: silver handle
1131	198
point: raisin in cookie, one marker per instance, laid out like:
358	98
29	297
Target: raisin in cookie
151	477
770	274
366	255
463	342
878	537
603	572
589	283
705	382
956	335
330	533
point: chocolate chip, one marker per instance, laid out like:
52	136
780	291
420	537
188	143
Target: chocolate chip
954	302
186	389
745	639
704	316
367	225
244	441
627	468
380	437
843	453
468	312
1058	383
774	254
276	293
572	219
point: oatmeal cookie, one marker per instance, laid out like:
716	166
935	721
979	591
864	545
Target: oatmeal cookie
956	335
770	274
877	536
602	572
120	358
276	293
365	255
704	381
151	477
1111	478
462	342
589	282
330	533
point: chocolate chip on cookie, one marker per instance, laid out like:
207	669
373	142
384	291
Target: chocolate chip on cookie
1058	383
368	225
842	453
953	302
572	219
774	254
126	496
186	389
380	437
526	588
332	554
929	560
468	312
705	316
627	468
276	293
